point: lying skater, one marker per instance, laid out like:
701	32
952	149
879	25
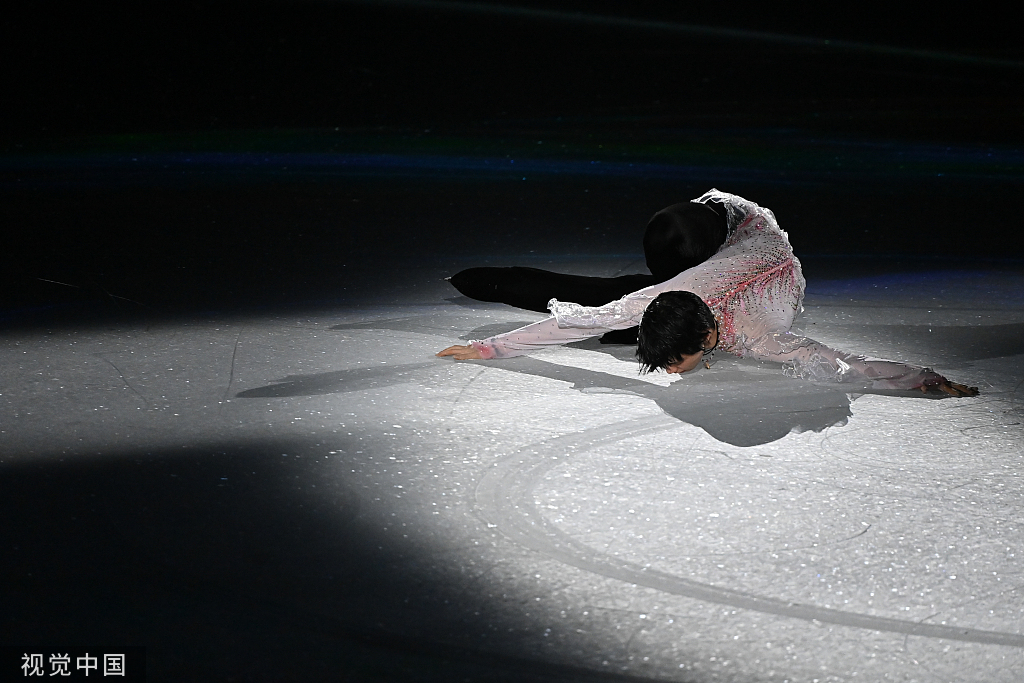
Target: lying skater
724	276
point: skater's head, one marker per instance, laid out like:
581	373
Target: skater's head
682	236
675	332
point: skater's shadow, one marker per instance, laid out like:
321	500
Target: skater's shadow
735	404
343	381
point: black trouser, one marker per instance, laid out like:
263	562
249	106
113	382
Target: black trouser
532	288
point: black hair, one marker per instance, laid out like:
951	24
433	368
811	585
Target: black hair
675	324
682	236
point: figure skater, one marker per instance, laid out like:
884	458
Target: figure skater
723	276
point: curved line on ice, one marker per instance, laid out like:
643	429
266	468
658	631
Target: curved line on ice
503	498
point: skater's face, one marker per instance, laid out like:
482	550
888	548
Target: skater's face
688	362
684	364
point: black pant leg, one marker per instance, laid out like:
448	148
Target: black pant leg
532	288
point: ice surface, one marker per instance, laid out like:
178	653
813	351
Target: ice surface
731	525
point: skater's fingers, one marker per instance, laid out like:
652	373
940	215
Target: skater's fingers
956	389
469	352
952	388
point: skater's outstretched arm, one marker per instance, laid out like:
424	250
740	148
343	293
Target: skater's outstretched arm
534	337
811	360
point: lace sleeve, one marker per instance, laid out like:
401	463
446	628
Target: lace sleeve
807	359
617	315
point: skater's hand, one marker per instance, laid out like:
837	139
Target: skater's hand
951	388
461	352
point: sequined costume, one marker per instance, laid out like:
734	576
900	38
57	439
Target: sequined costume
754	286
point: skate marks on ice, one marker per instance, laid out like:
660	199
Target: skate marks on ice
371	377
506	498
340	381
940	343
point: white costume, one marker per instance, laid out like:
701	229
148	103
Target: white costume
755	288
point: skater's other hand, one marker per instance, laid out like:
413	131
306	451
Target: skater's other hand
461	352
951	388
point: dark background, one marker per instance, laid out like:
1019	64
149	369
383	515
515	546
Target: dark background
861	149
190	66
